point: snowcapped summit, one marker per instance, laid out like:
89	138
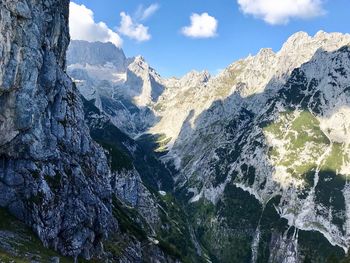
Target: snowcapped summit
103	66
100	61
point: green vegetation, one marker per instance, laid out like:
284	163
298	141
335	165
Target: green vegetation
301	135
118	159
314	247
162	143
226	230
336	158
129	220
132	227
25	245
301	142
174	234
159	106
7	258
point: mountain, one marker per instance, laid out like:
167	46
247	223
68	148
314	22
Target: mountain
122	88
269	162
252	75
97	54
260	151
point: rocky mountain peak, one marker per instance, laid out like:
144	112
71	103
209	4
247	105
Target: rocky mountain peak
96	54
192	79
143	82
139	59
303	43
265	52
139	65
298	37
197	76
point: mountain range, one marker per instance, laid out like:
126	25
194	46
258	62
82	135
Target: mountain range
269	131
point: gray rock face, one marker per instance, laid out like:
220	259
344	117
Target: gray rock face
97	53
126	181
234	143
129	188
52	175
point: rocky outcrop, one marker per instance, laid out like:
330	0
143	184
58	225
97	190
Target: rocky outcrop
122	153
151	210
52	175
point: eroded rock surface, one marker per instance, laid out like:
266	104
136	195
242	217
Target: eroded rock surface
52	175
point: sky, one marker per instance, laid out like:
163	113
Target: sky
177	36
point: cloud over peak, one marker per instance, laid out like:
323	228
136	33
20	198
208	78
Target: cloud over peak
132	29
277	12
83	26
202	26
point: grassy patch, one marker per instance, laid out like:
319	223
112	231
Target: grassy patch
298	142
129	220
26	245
336	158
314	247
174	234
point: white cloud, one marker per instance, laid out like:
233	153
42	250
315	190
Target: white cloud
83	26
202	26
133	29
277	12
145	13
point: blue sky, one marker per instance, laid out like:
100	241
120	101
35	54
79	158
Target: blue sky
241	29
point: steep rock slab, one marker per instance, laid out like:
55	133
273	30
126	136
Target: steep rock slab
52	176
